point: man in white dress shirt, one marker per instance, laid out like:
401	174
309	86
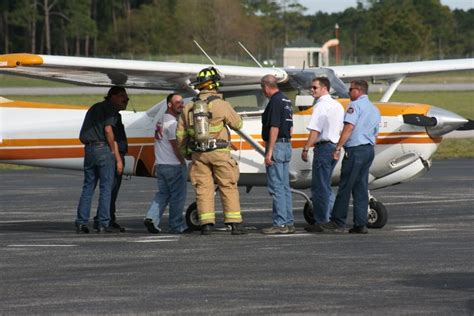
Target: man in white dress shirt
325	128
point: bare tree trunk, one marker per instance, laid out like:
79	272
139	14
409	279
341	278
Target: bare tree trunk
7	39
128	12
78	45
64	38
114	19
47	32
33	27
86	46
94	17
46	27
41	49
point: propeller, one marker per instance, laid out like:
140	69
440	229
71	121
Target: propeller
419	120
467	127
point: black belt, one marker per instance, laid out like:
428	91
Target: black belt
96	143
283	140
325	142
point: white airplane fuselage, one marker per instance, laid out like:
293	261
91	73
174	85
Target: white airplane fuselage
46	135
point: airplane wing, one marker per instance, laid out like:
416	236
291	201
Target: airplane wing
394	71
128	73
176	76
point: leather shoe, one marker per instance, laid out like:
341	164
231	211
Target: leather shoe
82	229
206	229
358	230
150	226
187	231
117	226
314	229
236	229
106	230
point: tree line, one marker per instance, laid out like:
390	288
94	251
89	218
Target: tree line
394	29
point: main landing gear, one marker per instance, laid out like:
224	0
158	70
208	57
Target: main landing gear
377	215
192	217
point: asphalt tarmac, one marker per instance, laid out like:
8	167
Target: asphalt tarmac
420	263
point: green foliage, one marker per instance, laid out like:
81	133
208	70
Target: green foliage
396	30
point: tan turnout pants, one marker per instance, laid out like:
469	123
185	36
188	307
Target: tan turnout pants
219	166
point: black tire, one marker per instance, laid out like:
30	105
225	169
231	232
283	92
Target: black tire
308	213
192	217
378	216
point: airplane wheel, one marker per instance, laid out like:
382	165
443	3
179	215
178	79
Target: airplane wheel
192	217
308	213
377	216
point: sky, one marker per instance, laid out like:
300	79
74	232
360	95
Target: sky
331	6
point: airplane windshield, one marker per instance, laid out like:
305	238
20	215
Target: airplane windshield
300	80
298	84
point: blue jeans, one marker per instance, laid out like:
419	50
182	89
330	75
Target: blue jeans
115	190
278	181
171	181
321	192
99	164
114	194
354	179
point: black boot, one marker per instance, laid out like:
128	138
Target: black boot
236	229
206	229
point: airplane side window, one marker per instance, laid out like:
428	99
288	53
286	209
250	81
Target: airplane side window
244	103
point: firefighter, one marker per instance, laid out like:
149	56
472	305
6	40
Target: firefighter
204	138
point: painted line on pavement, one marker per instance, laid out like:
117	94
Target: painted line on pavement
414	229
413	226
40	245
157	239
428	202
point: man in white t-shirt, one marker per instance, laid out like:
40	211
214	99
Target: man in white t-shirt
325	129
171	172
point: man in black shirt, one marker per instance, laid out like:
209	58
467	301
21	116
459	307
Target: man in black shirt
101	160
277	123
122	143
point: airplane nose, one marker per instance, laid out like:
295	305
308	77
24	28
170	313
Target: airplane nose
446	121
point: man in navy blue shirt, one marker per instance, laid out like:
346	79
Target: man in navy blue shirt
361	126
277	122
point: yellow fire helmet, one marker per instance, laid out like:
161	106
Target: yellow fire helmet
207	78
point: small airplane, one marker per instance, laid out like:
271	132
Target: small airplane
46	135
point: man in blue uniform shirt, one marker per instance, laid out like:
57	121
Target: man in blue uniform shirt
277	122
361	126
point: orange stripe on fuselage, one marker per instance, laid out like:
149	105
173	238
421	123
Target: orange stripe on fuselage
24	148
385	108
36	105
62	142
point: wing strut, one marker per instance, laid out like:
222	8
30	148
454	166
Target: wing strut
204	52
248	52
391	89
259	148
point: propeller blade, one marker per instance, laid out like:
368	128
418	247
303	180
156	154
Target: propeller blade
419	120
467	127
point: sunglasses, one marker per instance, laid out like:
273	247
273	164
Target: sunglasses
350	89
